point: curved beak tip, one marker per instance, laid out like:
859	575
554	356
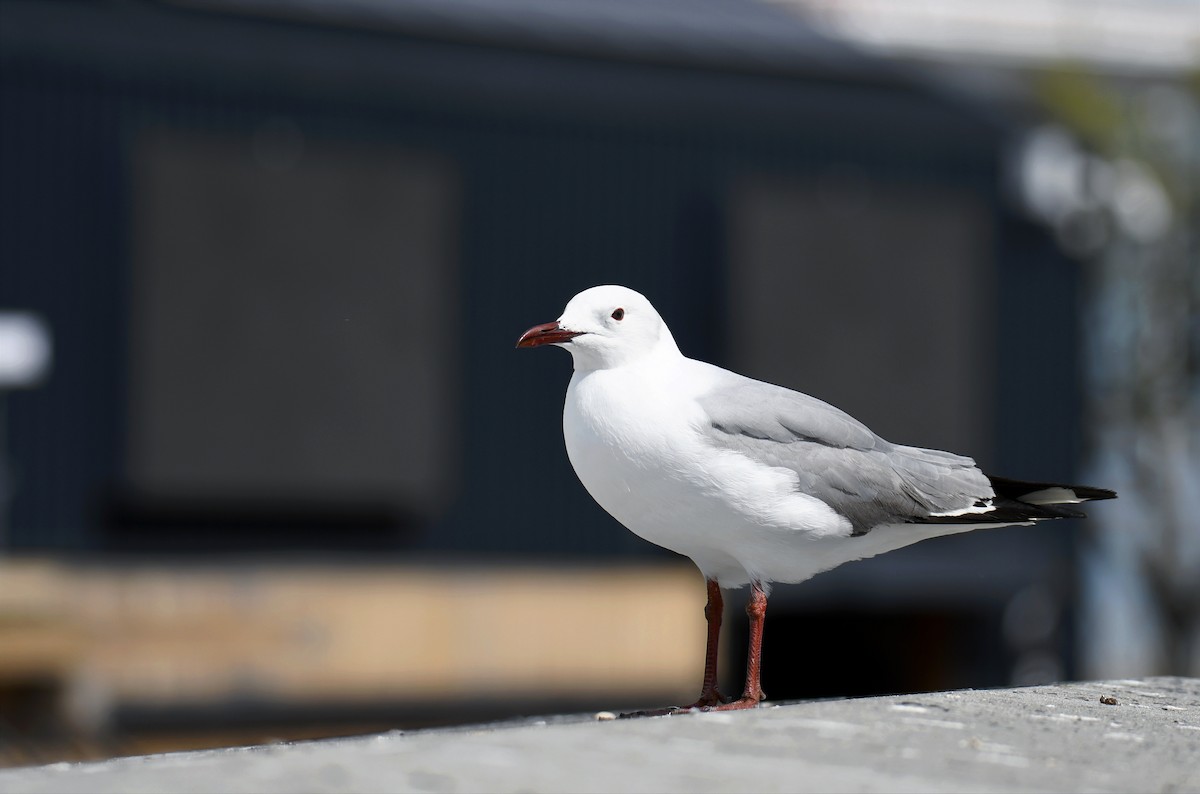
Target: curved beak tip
546	334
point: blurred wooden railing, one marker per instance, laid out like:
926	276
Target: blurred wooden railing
92	639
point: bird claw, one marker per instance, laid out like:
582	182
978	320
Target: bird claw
663	712
735	705
709	701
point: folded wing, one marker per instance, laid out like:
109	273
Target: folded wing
863	477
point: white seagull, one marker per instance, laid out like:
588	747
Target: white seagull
754	482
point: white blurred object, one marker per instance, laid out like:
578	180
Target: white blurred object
1117	35
1082	195
24	349
1051	171
1139	202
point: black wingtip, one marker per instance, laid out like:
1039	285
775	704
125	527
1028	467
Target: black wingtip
1053	493
1021	501
1088	494
1007	511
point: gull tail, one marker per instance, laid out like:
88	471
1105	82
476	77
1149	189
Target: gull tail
1019	501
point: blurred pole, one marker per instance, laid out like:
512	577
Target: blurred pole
5	488
24	363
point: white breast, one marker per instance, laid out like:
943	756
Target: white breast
639	454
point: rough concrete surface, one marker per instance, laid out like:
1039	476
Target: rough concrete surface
1047	738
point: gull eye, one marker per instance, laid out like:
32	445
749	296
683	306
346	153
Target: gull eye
618	314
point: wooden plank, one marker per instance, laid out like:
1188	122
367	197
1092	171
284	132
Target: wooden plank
161	635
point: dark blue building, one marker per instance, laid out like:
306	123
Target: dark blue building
285	249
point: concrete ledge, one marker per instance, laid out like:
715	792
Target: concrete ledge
1048	738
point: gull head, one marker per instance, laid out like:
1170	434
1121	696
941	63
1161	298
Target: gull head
605	327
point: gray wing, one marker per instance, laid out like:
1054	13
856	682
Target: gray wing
836	458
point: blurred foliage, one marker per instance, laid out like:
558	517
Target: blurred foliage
1080	101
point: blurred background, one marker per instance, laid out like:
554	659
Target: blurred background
271	468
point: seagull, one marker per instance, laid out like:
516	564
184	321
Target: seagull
754	482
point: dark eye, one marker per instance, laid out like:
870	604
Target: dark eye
618	314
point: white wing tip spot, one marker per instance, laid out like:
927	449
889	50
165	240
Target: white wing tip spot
974	509
1051	496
